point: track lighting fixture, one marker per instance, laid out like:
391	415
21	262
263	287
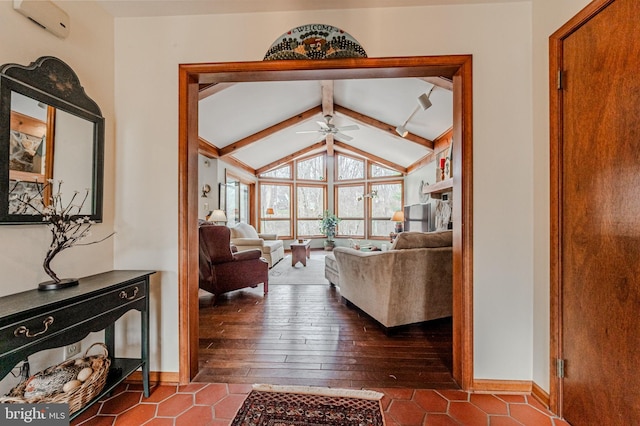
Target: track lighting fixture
423	102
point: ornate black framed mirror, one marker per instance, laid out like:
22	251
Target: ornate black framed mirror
50	130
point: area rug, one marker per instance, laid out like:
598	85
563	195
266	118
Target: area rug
269	405
312	274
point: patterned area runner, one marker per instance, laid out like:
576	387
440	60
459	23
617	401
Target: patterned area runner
310	407
312	274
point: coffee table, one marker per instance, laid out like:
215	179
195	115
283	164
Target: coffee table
300	251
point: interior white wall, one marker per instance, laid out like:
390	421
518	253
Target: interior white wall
548	16
89	50
148	51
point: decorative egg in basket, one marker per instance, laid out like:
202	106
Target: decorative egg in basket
46	384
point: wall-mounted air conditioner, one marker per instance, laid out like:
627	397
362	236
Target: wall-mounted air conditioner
46	14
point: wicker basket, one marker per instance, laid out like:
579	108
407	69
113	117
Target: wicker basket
78	397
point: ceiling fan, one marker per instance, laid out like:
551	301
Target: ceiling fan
328	128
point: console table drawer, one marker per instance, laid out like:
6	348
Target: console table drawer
45	324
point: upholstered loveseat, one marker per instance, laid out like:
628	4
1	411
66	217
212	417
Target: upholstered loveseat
245	237
412	282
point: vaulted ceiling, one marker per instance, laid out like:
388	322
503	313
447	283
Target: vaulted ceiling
258	125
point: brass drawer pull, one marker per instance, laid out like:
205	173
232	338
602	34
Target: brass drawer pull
124	295
24	330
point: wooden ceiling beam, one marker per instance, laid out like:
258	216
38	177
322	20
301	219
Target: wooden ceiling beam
382	126
243	143
327	109
443	83
206	90
374	158
441	143
290	157
239	164
207	149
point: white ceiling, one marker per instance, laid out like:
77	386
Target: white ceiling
244	109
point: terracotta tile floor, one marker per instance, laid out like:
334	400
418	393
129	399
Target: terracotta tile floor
216	404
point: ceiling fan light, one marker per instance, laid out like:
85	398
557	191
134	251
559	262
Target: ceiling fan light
402	131
424	101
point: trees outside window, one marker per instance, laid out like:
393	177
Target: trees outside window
388	200
350	209
310	203
277	197
349	168
365	195
312	168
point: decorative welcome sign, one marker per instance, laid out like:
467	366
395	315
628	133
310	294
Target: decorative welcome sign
315	41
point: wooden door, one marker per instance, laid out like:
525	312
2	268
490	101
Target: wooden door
596	214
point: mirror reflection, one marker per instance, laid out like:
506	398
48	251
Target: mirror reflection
50	136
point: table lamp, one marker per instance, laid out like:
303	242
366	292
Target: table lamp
217	216
398	218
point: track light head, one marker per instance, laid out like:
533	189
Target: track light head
402	131
424	101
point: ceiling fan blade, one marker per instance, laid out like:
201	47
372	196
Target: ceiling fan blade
309	131
323	125
344	137
350	127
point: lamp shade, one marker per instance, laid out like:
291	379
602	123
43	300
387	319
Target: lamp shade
218	216
398	216
269	210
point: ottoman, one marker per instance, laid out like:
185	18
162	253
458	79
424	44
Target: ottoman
331	269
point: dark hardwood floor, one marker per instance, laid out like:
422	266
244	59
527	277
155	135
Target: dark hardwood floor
304	335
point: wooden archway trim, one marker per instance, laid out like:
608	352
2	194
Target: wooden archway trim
455	67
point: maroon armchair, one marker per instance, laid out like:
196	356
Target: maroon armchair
222	270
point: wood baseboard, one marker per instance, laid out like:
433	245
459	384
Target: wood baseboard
540	394
502	386
155	377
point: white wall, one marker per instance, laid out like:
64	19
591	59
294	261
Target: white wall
89	51
148	51
548	16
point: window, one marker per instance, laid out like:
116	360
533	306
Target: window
312	168
365	197
310	203
350	209
388	199
277	197
376	171
348	168
283	172
236	200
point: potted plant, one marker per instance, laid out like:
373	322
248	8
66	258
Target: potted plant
328	223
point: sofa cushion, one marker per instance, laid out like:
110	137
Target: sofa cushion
411	240
243	230
271	246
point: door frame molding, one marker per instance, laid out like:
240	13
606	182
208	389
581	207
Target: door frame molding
556	41
456	67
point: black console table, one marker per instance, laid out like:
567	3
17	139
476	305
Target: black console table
35	320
